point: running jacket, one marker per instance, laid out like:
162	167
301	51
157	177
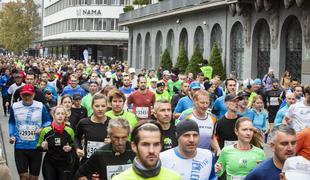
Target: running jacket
25	120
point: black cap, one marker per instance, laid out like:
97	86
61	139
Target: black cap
275	80
243	94
77	97
185	126
160	84
230	97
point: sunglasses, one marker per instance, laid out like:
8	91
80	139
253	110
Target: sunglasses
49	93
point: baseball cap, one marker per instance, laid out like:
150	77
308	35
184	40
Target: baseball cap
297	167
275	80
247	82
195	85
131	70
108	74
230	97
27	89
166	72
77	97
185	126
160	84
47	90
257	81
243	94
153	80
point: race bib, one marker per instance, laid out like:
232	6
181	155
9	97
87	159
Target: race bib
274	101
237	177
142	112
116	169
92	146
27	132
229	143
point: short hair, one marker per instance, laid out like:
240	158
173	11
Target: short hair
64	97
98	96
116	93
229	79
307	89
118	122
139	78
284	129
200	93
161	101
146	125
73	76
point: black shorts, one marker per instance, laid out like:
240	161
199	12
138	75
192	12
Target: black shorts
28	159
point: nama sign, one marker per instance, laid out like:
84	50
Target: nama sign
88	12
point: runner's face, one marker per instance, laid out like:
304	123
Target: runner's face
93	88
94	76
99	107
27	98
284	146
298	92
188	142
67	103
74	82
245	131
59	115
126	81
29	79
202	104
119	138
117	104
142	84
163	113
185	87
307	98
160	89
44	77
231	86
232	105
148	148
243	103
290	99
258	104
18	79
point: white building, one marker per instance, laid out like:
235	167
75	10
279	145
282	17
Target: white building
71	26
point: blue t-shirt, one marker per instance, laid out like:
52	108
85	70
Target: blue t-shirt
280	115
71	92
183	104
126	91
248	113
220	107
265	171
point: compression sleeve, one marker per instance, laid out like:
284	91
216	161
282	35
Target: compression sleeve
11	123
41	138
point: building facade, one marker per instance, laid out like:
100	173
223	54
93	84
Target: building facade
72	26
253	35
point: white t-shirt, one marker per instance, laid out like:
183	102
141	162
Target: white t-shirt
300	114
197	168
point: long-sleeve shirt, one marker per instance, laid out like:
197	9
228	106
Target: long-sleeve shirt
24	121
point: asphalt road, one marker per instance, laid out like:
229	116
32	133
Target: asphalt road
10	148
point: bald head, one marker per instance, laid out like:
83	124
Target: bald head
290	98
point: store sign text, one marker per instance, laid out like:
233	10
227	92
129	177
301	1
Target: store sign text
88	12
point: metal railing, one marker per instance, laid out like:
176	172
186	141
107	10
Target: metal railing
161	7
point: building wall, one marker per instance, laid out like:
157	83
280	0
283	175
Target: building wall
207	19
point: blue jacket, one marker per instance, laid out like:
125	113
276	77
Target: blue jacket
4	89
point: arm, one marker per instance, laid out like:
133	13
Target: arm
212	174
12	123
300	141
46	119
90	166
41	139
215	145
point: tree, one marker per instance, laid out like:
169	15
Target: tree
166	62
215	61
141	2
182	60
195	62
19	25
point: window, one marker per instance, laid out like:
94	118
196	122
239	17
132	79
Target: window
88	24
114	2
98	24
80	24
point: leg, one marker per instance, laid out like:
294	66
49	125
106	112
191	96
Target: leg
24	176
48	170
35	164
21	162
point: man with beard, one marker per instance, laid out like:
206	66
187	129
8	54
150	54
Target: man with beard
298	114
126	89
142	99
161	93
290	99
183	92
243	109
187	159
73	87
283	143
147	143
113	158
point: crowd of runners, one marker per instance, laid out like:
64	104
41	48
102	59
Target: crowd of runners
95	121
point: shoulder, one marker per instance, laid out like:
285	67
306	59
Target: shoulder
258	151
167	153
203	153
47	129
165	173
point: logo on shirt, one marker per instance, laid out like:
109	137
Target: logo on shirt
243	163
57	141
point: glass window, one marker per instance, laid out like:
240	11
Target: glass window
112	24
88	24
114	2
80	24
104	24
98	24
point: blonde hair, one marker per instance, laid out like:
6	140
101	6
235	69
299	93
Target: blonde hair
255	98
53	110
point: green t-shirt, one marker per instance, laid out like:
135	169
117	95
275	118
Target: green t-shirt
164	174
165	95
86	103
238	163
130	117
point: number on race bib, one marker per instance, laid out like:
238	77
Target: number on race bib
27	132
92	146
142	112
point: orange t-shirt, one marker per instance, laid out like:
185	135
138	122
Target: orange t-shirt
303	143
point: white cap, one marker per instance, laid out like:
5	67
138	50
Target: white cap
247	82
154	80
166	72
297	168
131	70
108	74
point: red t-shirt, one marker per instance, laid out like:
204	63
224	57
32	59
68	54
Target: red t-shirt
142	103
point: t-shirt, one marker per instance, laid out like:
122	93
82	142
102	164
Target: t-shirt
201	167
142	103
219	107
248	113
86	103
206	128
130	117
183	104
170	139
225	131
264	171
163	96
280	115
238	163
303	143
299	113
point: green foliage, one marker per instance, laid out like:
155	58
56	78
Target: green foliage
195	62
215	61
128	8
19	25
141	2
182	60
166	61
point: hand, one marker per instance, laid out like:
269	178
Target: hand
218	167
44	145
38	131
107	140
80	152
12	140
67	148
